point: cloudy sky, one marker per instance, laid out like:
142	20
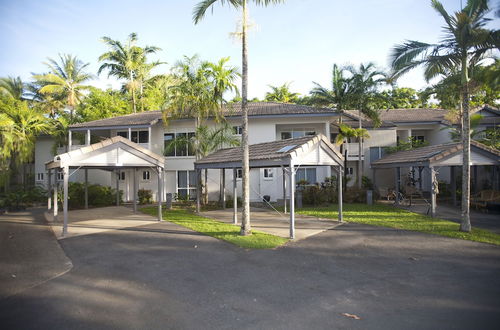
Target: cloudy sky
297	41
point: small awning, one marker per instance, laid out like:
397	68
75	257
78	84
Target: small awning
448	154
116	152
305	151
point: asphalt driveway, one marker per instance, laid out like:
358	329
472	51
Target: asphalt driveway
165	276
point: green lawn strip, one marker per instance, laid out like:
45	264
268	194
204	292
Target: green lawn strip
388	216
220	230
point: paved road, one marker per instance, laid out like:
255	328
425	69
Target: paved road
164	276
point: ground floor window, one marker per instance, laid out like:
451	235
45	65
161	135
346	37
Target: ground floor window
306	174
349	171
60	175
122	176
268	173
39	177
186	184
239	173
146	175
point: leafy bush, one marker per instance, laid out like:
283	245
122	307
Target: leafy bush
20	198
145	196
98	195
326	192
354	195
366	182
229	201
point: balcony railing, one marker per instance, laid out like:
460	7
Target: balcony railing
353	151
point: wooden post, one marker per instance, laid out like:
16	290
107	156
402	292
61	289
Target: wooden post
235	197
453	182
434	186
292	200
65	200
340	187
86	188
134	174
160	192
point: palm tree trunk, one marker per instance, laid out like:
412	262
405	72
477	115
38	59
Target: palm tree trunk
360	150
245	222
465	224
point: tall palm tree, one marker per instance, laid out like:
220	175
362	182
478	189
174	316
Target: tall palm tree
129	62
198	14
281	94
365	81
12	87
222	77
64	81
466	42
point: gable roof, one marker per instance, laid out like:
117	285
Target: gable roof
266	153
430	154
79	157
255	109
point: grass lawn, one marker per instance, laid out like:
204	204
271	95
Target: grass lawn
220	230
388	216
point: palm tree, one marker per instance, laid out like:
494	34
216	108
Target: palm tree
64	81
129	62
222	77
466	43
281	94
198	14
12	87
365	81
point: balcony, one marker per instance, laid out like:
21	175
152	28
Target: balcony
353	151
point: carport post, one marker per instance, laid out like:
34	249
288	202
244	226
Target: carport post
292	200
397	180
284	189
340	201
198	190
434	187
453	182
117	187
160	192
235	198
55	196
65	199
86	191
134	174
223	188
49	188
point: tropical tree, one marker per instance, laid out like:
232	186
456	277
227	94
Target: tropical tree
465	44
281	94
101	104
64	81
128	62
198	14
12	87
223	78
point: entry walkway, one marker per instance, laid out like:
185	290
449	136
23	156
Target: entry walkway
277	224
92	221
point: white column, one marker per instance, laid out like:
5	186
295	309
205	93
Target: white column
130	134
198	190
340	187
86	188
65	199
284	188
149	138
223	188
434	189
70	140
56	205
292	201
49	192
87	138
235	198
160	191
327	131
117	188
134	174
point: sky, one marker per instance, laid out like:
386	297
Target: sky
296	41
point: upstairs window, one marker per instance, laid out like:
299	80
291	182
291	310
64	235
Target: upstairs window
136	136
122	134
173	148
237	130
293	134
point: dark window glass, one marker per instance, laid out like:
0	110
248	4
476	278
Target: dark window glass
145	175
181	151
143	136
286	135
123	134
190	147
167	142
192	179
134	137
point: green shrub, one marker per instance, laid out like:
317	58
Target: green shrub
229	201
145	196
354	195
98	195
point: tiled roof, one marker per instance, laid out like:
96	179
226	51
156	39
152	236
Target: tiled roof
230	110
413	115
429	153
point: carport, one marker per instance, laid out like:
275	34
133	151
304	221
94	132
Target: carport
113	155
431	158
288	154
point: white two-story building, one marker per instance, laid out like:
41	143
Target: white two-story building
267	122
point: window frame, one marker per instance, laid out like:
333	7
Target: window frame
40	176
190	186
188	150
268	173
146	176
